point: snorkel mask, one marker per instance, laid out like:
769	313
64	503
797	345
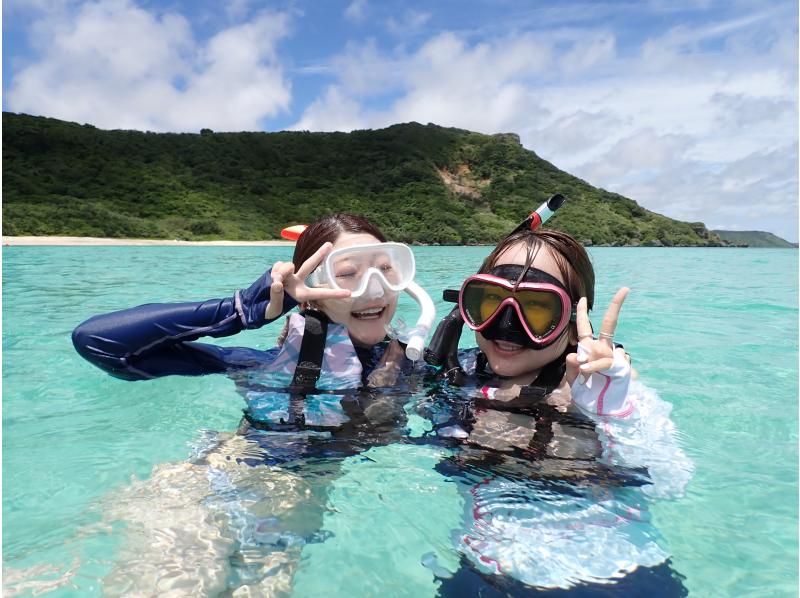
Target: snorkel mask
532	313
369	271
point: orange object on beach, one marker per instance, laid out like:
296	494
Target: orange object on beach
292	233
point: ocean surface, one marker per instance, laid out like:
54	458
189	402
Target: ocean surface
712	331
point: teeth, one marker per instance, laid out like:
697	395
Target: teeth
503	346
374	312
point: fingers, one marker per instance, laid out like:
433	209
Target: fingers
279	271
582	322
598	365
315	294
315	260
609	324
572	368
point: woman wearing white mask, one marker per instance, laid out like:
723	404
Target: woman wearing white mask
334	385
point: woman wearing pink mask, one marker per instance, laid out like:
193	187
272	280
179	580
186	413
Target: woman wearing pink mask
559	451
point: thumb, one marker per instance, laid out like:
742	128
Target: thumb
572	368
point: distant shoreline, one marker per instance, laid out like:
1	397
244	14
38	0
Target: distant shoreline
98	241
45	241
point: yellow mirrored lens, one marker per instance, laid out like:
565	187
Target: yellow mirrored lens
492	298
541	309
481	300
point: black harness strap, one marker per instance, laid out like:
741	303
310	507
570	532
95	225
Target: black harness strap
312	348
309	364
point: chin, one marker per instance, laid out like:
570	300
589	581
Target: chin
506	359
368	334
509	368
367	338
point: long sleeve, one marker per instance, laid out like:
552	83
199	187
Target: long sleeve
156	339
644	435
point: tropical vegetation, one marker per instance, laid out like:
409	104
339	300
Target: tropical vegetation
420	183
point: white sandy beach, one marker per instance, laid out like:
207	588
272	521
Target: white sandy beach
102	241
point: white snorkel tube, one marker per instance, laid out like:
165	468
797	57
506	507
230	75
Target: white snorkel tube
417	335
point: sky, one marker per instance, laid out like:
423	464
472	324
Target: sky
689	107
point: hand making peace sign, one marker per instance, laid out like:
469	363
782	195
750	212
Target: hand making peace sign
599	351
284	278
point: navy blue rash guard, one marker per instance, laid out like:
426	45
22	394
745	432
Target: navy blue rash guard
156	339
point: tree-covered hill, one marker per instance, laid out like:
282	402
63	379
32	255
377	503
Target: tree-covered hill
425	184
753	238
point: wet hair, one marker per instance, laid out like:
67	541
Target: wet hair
570	257
328	228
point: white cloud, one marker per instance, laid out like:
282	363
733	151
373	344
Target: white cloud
571	134
356	11
118	66
338	110
738	109
362	69
588	53
410	22
237	9
638	155
445	81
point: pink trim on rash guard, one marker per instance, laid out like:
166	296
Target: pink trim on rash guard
624	413
603	394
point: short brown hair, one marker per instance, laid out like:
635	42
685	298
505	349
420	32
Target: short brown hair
570	256
328	228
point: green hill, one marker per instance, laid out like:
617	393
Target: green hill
752	238
425	184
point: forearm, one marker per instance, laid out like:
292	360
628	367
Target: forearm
155	339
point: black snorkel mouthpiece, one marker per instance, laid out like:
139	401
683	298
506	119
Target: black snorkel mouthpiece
443	348
447	333
542	214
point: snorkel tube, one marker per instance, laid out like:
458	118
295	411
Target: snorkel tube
541	214
443	348
416	340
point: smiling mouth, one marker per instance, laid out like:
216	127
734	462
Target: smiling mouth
374	313
506	348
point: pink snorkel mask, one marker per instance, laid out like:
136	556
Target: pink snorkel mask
533	313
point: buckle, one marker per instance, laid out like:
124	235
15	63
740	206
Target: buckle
306	374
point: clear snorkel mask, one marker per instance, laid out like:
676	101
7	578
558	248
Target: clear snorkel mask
367	270
374	270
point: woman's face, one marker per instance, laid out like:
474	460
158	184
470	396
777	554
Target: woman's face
365	317
512	360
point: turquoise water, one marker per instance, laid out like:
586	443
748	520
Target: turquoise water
714	331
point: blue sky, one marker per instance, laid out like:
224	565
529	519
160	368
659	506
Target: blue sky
687	106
